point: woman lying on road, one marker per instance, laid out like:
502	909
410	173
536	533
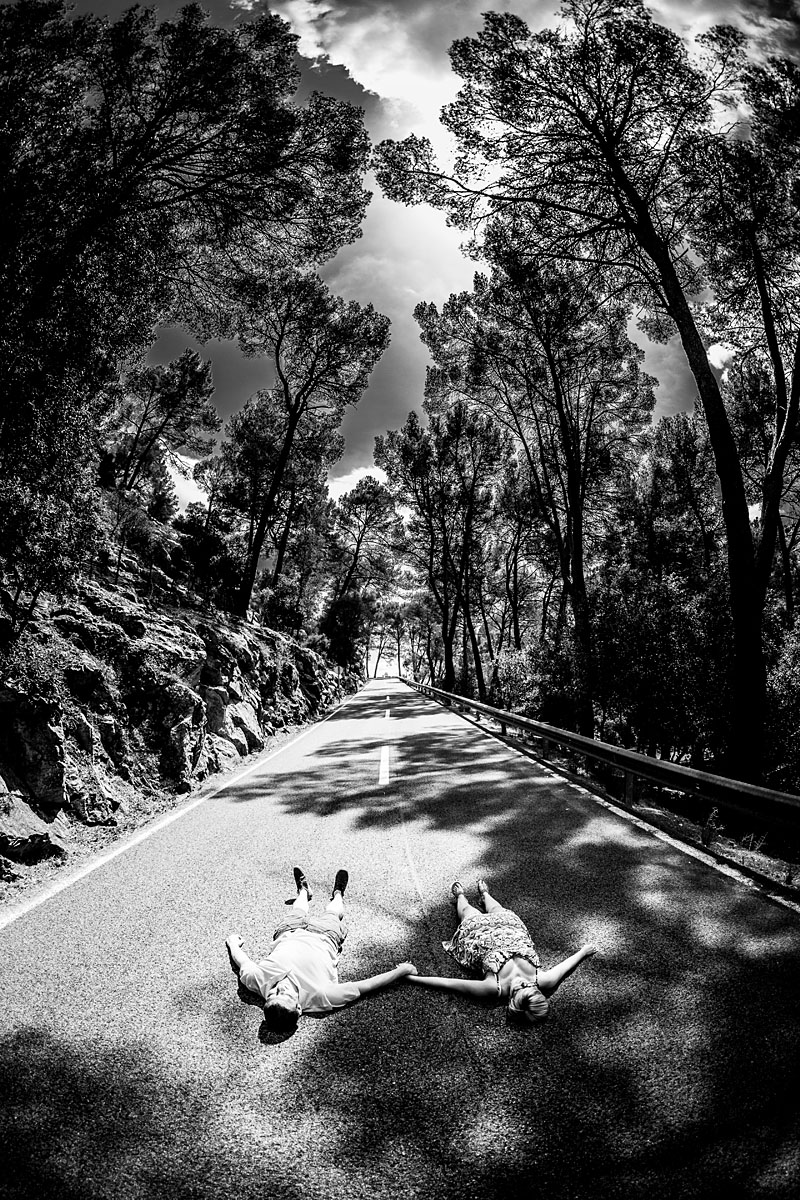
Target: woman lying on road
496	943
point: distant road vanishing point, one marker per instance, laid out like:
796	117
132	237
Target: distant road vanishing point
131	1069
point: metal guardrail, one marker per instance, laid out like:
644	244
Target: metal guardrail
768	805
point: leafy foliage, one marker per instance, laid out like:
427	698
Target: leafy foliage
344	624
604	142
146	165
369	534
163	411
537	542
46	538
322	349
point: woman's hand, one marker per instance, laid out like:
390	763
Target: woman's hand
377	982
589	950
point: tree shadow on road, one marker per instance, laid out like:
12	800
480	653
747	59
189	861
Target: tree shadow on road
109	1121
667	1068
664	1066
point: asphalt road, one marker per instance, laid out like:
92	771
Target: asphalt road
130	1067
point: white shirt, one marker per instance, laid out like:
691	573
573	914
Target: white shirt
311	962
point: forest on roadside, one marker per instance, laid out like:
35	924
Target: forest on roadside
539	542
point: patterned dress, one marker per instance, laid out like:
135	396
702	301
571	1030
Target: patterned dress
484	942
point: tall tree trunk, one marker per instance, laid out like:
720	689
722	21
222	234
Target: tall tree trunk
748	675
476	654
448	608
546	605
582	629
513	597
381	647
583	659
786	567
561	619
283	542
429	658
243	595
492	650
448	638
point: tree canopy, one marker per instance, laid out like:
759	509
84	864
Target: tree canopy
145	163
608	143
539	541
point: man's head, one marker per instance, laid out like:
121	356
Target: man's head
282	1006
526	1002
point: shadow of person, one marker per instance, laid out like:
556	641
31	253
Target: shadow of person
267	1036
248	997
273	1037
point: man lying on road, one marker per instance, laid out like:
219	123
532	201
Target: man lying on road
300	973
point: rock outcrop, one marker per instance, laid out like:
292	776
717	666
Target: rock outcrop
150	701
32	744
24	836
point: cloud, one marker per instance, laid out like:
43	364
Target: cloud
405	255
774	25
677	390
720	354
398	48
339	484
391	57
187	491
235	377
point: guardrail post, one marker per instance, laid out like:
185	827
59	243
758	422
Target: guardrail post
632	787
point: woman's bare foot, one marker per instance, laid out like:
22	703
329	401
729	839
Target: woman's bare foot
456	889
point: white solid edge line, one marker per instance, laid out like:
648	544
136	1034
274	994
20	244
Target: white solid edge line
19	910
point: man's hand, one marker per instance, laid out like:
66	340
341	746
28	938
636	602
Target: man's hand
235	947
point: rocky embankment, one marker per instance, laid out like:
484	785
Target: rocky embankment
134	706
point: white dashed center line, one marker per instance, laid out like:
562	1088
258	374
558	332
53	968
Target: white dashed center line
387	714
384	772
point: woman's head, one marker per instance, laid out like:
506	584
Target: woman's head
526	1002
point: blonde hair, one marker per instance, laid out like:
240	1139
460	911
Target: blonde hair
533	1005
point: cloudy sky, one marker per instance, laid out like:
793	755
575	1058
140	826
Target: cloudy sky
390	58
